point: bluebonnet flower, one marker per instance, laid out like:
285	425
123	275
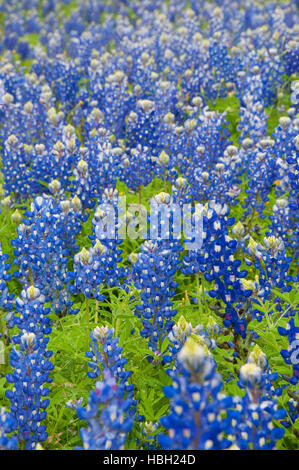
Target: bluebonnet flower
126	91
138	168
94	121
117	102
74	404
88	272
272	263
286	149
216	259
258	357
221	181
281	221
291	57
82	184
196	403
106	352
199	145
269	378
239	233
10	41
42	245
152	272
291	355
64	77
31	366
252	418
262	175
142	125
107	230
295	92
71	218
103	164
149	432
7	425
106	416
23	48
293	413
16	169
253	120
183	330
5	296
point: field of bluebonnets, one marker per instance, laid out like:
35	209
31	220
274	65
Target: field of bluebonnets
139	338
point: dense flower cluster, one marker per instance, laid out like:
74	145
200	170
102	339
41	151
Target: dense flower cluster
31	366
6	426
106	353
149	188
152	271
5	297
45	238
254	413
217	261
183	330
106	415
291	355
195	396
209	415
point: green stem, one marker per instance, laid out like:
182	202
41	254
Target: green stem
269	323
199	297
95	354
4	341
87	320
284	313
140	195
117	324
97	315
165	181
31	277
203	293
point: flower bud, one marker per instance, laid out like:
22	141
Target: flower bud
180	182
28	107
84	256
82	166
32	293
98	248
16	217
197	101
250	374
274	244
238	230
169	118
28	340
258	357
76	204
146	105
65	206
180	330
100	333
8	99
6	202
195	358
55	187
190	124
284	122
163	158
133	257
252	246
